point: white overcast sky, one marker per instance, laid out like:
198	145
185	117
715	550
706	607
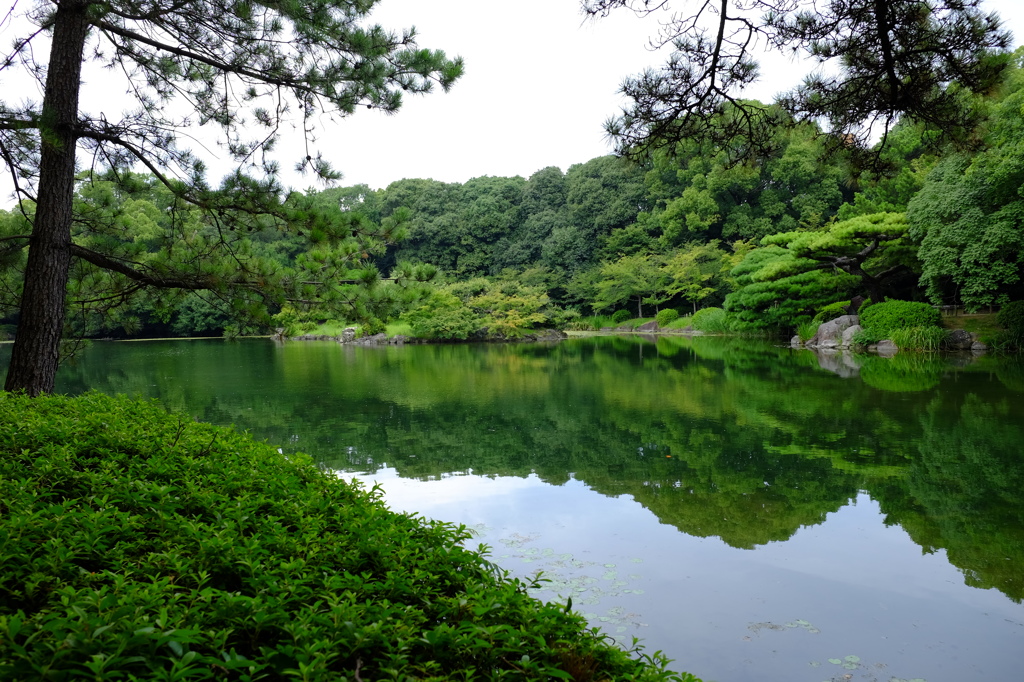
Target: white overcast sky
540	81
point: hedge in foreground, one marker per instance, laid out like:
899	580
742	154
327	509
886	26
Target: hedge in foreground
135	544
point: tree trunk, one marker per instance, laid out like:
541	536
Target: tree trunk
36	351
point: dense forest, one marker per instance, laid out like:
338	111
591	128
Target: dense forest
772	239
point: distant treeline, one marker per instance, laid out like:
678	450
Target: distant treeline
773	240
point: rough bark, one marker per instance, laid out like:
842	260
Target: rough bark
36	351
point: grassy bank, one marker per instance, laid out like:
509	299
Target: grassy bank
135	544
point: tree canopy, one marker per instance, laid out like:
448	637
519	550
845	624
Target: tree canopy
881	61
969	214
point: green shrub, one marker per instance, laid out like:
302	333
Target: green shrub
881	319
620	316
142	545
565	318
666	317
443	316
713	320
372	326
831	312
1011	319
294	322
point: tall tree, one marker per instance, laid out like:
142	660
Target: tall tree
969	215
238	64
881	61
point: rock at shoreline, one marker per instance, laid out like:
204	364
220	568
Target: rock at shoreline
848	334
830	334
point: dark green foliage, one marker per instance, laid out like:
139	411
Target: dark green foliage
883	318
666	316
1011	319
141	545
698	193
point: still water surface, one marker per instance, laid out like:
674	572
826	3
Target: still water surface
756	513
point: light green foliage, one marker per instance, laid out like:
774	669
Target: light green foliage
443	315
873	247
485	308
635	279
926	338
510	310
831	312
712	320
807	330
143	545
881	319
666	316
696	271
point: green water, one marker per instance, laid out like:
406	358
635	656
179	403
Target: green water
755	512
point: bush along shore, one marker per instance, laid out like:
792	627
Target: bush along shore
138	544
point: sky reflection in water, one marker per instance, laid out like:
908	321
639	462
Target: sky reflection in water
851	587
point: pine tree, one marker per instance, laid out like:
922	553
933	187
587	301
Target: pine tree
243	65
887	60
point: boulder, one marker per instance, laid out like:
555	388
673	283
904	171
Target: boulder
651	326
830	334
848	334
348	335
960	339
795	342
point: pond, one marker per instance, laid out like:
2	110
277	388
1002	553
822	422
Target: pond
754	512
